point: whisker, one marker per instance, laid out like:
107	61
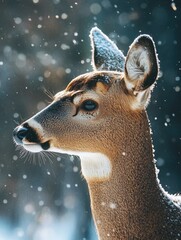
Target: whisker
15	121
41	157
51	155
48	93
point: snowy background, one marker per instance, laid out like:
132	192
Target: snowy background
43	45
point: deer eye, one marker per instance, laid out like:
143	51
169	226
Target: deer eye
89	105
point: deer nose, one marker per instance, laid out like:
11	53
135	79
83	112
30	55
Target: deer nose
19	133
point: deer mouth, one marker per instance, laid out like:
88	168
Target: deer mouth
45	145
36	147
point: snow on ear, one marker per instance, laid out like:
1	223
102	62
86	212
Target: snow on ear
105	54
141	66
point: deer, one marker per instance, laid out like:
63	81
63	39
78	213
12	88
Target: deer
101	117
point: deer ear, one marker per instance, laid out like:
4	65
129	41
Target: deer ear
141	66
105	54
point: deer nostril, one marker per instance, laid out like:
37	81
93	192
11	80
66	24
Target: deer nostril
19	133
22	133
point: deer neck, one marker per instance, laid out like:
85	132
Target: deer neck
128	200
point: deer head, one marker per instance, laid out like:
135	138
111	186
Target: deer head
84	118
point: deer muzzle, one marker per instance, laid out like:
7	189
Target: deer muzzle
26	136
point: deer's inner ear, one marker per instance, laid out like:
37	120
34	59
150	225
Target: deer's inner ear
141	67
